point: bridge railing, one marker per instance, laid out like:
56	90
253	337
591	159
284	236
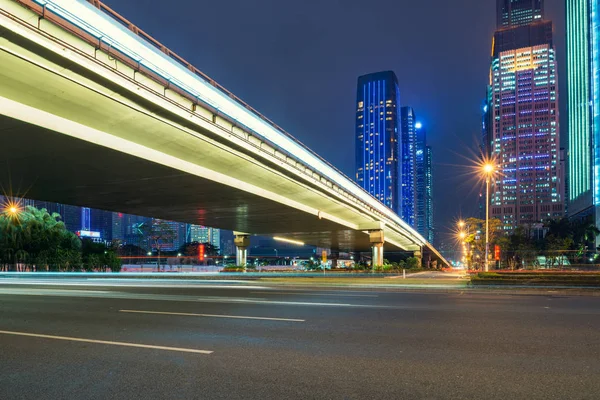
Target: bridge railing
125	58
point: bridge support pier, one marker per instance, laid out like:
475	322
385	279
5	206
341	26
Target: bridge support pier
242	242
419	256
377	240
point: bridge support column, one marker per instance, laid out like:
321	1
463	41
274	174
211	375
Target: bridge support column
242	242
419	256
377	240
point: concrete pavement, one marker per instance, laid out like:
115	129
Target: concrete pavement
250	341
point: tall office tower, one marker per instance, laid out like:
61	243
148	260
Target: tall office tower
101	221
227	247
408	156
71	216
429	228
518	12
377	137
423	185
583	70
86	219
487	121
118	226
181	234
529	186
203	234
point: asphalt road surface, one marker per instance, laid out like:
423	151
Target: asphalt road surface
244	341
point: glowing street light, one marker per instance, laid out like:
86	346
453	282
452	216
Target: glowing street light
487	169
12	209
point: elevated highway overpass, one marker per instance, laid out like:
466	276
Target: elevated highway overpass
94	112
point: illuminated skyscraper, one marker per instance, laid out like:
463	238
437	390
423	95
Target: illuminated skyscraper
518	12
203	234
408	150
377	135
423	184
529	187
583	83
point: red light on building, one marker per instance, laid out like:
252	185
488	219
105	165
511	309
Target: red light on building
497	253
201	252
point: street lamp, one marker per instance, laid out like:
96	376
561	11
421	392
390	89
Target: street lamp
488	169
12	209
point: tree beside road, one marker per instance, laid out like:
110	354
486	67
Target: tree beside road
32	239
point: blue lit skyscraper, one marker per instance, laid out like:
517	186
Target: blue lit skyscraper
423	185
377	134
408	151
583	83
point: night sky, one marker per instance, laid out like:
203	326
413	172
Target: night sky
297	62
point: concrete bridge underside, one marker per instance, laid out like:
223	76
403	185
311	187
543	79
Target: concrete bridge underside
76	131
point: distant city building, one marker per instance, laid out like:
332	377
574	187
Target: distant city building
429	227
203	234
529	186
583	83
101	221
487	121
423	185
171	240
71	216
133	230
408	159
377	136
227	247
118	226
518	12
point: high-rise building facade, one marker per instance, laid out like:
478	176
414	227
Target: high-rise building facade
529	187
429	228
203	234
408	150
377	137
583	83
518	12
423	184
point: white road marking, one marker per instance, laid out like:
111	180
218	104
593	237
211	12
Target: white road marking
317	294
99	282
73	339
212	315
149	296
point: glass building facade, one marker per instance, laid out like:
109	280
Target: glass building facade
512	13
423	185
583	83
377	137
203	234
529	187
408	150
